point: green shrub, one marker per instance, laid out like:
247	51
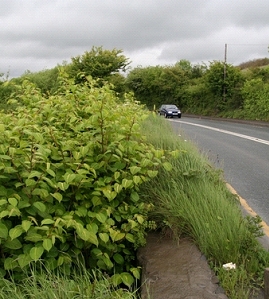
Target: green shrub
256	101
71	166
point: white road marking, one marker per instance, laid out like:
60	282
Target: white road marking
225	132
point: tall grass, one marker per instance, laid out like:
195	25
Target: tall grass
82	285
193	200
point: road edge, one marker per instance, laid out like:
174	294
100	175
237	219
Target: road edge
264	240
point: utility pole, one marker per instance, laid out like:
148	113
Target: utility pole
224	74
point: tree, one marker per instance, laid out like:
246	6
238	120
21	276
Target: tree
224	81
158	85
46	80
98	63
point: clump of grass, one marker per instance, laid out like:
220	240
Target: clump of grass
47	285
193	200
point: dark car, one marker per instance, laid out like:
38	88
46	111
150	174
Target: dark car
169	111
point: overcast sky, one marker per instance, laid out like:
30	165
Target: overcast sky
37	35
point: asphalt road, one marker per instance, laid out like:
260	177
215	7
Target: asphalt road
241	150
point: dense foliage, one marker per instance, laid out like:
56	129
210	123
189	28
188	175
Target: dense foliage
213	89
101	64
71	168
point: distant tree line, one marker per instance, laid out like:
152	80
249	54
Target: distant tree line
216	88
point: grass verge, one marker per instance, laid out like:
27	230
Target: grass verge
193	200
46	285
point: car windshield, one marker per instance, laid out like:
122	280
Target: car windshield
171	107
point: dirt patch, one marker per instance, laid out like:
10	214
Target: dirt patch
176	271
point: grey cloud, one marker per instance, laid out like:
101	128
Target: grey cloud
36	33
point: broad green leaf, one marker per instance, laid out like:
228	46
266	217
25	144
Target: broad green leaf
34	237
40	206
10	263
9	169
4	214
44	228
87	236
34	174
13	201
13	244
76	155
137	179
62	185
60	261
110	195
104	237
64	247
118	258
115	235
3	231
107	261
69	177
127	279
129	237
140	219
5	157
58	196
101	217
133	223
116	175
14	212
47	221
15	232
26	224
50	182
24	260
23	204
136	272
127	183
18	184
3	202
97	252
135	169
30	182
36	252
47	244
24	143
81	211
116	279
120	165
42	193
135	196
119	236
152	173
145	163
51	172
96	201
92	227
117	187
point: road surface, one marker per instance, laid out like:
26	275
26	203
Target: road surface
241	150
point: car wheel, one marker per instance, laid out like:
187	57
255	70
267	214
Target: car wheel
179	116
165	115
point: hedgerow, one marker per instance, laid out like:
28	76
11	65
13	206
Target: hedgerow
71	168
